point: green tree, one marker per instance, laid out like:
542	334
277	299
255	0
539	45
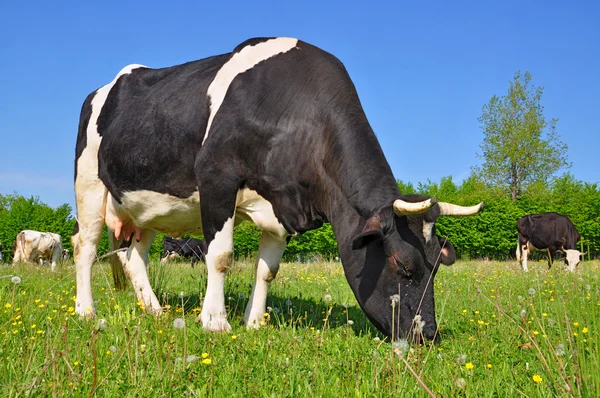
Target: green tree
520	147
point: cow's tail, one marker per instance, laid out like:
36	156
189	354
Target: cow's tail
116	265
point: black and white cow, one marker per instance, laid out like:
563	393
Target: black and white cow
35	246
274	133
185	247
551	231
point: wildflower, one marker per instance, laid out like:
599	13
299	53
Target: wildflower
489	365
116	306
143	348
350	322
535	332
584	330
8	305
461	359
207	361
575	324
395	299
537	379
16	280
204	355
233	337
75	363
523	313
461	383
560	350
181	294
469	365
160	331
551	322
178	323
33	326
327	298
531	291
112	349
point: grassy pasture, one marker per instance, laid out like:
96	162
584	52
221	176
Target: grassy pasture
504	333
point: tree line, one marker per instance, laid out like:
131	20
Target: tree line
490	234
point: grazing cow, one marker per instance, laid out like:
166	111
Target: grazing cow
274	133
551	231
32	246
186	247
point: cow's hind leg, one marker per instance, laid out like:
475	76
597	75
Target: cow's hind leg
269	254
524	253
550	255
91	202
136	269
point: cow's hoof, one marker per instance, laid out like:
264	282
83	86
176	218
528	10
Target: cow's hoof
214	323
85	312
255	322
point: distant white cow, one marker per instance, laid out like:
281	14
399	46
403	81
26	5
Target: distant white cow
34	246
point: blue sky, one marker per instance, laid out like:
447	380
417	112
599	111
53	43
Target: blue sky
423	71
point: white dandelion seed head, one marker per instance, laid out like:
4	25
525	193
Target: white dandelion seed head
101	324
551	322
112	349
16	280
269	310
376	339
350	322
560	350
520	299
531	291
461	383
191	358
178	323
523	313
395	299
587	287
461	359
288	302
400	347
143	348
327	298
419	324
181	294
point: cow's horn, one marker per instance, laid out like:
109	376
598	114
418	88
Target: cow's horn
403	208
449	209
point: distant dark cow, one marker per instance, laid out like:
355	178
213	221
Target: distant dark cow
551	231
273	133
34	246
186	247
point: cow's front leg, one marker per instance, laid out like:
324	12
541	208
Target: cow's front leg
218	262
135	266
269	254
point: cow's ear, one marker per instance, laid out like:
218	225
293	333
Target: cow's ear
447	255
371	232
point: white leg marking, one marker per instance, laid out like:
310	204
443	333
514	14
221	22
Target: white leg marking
269	254
240	62
524	259
218	261
136	269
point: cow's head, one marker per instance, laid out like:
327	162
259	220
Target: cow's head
401	263
572	258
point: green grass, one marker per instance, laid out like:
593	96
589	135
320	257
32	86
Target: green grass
490	346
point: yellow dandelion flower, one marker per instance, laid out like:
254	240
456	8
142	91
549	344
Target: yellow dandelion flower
535	332
37	301
469	366
8	305
116	307
575	324
537	379
235	337
584	330
41	306
75	363
33	326
489	365
207	361
204	355
160	331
